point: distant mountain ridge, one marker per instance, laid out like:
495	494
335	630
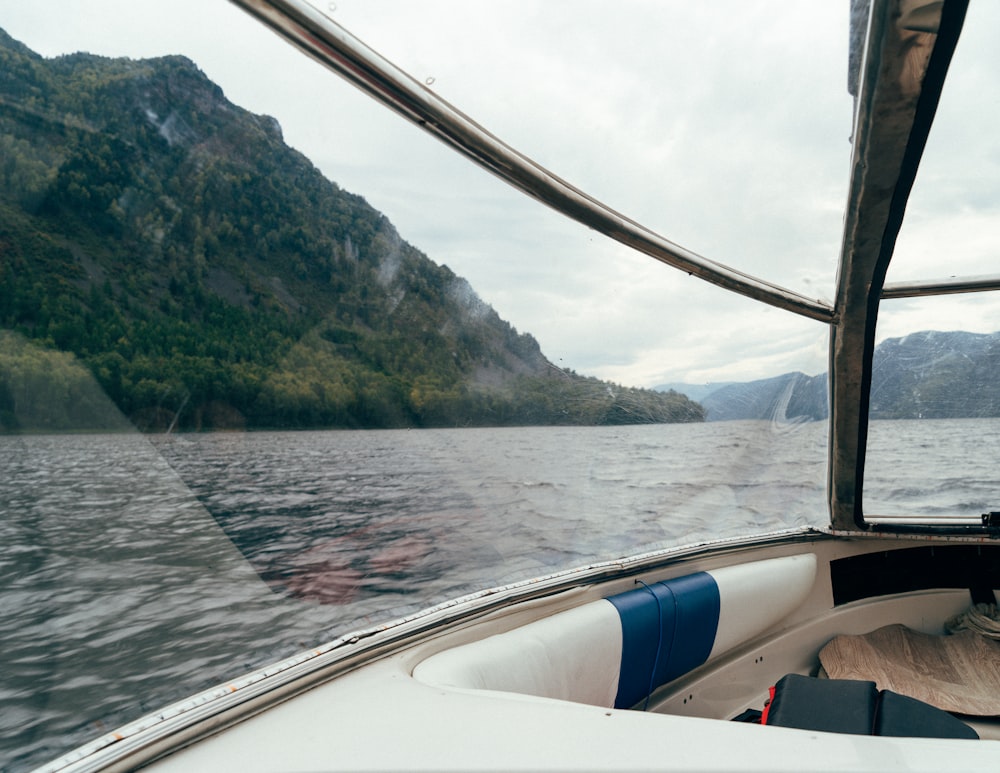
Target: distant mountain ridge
695	391
789	397
937	375
930	374
208	276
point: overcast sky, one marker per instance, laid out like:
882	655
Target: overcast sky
723	126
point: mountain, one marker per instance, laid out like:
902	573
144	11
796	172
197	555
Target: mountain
937	375
929	375
694	391
791	397
208	276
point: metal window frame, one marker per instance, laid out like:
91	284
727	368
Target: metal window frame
897	75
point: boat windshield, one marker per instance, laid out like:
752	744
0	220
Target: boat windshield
934	387
276	366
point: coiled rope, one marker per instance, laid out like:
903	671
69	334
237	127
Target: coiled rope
984	619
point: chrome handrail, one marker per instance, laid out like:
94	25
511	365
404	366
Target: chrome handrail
950	286
333	46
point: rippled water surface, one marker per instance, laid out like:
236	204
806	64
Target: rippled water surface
138	570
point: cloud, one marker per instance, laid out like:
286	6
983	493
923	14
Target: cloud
975	313
723	126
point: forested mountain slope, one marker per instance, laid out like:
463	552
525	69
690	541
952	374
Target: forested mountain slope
208	276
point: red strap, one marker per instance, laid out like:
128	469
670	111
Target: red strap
767	705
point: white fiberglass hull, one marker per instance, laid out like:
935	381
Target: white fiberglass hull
445	698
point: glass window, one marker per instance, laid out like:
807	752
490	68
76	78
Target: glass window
725	128
954	209
267	381
932	443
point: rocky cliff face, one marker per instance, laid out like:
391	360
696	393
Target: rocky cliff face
937	375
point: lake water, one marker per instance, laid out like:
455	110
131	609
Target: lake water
137	570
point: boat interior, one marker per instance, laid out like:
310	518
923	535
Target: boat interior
570	677
714	644
664	660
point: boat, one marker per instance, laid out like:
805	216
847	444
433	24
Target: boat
645	660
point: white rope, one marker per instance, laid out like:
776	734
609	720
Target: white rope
983	619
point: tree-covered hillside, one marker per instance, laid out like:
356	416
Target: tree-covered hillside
208	276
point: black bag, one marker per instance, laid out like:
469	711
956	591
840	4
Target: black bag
853	706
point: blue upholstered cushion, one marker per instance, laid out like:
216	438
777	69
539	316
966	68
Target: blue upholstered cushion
668	628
